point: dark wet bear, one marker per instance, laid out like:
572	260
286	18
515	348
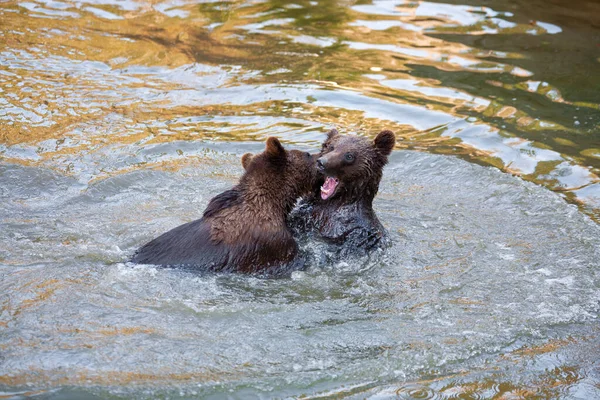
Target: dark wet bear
243	229
340	210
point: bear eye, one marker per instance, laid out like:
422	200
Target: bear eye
307	154
349	157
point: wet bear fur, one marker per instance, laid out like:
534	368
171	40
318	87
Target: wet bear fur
344	217
243	229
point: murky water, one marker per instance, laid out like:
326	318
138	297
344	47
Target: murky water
120	120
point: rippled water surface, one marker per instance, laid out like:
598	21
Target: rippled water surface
120	120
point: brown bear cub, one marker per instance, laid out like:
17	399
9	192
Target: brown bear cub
243	229
340	211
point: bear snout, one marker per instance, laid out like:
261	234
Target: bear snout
321	164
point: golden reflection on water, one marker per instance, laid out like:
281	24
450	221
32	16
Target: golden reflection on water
373	49
486	382
70	67
83	377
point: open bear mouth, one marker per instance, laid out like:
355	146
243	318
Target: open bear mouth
328	188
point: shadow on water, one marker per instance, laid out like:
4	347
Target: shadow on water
120	120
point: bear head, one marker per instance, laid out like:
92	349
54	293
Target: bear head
279	174
351	166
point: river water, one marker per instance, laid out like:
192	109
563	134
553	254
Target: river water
121	119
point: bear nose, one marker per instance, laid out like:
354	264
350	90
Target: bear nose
321	163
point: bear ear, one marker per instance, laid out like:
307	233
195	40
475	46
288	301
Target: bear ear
384	142
332	133
246	159
275	149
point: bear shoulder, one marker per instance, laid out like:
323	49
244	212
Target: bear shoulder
227	199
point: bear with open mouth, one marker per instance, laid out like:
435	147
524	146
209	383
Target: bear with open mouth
340	209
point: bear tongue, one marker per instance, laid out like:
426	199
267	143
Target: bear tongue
328	188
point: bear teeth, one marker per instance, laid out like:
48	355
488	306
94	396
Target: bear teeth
328	188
